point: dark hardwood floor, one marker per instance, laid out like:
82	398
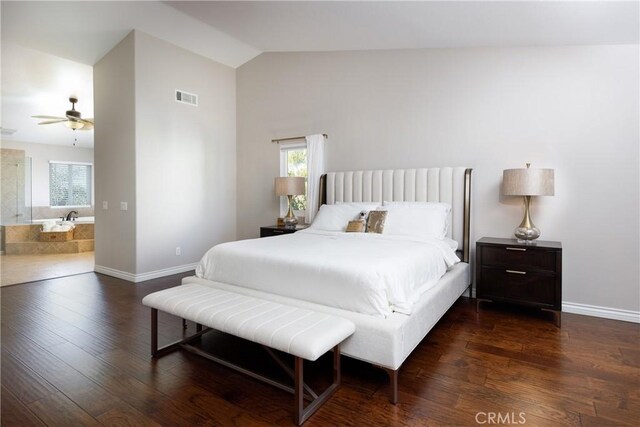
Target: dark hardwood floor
75	351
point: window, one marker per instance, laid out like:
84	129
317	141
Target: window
293	162
69	184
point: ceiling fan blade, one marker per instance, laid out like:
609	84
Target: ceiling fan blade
90	120
87	126
48	117
85	121
48	122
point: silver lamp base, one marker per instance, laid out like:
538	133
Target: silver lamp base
290	220
526	232
526	235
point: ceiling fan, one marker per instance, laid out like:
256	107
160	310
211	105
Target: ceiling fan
73	119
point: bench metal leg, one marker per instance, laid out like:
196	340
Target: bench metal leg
154	332
299	395
159	352
312	394
302	413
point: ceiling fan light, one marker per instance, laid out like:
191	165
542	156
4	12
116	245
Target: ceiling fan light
72	124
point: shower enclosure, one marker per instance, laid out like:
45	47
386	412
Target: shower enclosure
16	188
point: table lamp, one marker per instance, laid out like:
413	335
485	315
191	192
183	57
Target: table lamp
289	186
527	182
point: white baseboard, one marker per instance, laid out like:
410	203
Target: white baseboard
135	278
591	310
604	312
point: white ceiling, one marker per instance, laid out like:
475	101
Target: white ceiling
356	25
234	32
84	31
37	83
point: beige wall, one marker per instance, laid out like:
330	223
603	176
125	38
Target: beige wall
574	109
185	156
115	157
172	163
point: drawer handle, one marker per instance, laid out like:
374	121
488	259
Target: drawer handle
516	272
517	249
278	231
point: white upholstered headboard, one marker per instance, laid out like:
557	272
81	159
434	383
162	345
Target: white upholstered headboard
448	184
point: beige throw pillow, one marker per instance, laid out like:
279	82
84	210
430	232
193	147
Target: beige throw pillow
356	226
375	223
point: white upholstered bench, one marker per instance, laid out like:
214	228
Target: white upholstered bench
305	334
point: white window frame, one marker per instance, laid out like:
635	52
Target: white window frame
284	148
64	162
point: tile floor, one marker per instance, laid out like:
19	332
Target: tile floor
27	268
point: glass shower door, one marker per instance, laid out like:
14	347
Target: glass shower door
16	189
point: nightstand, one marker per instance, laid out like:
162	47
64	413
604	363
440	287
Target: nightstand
518	273
274	230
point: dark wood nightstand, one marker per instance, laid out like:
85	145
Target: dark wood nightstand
274	230
525	274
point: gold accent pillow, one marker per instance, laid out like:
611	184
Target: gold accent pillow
356	226
375	223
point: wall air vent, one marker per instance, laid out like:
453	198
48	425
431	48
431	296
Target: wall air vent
186	98
7	131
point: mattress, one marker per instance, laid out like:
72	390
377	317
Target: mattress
367	273
382	341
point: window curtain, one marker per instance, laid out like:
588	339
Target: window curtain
315	169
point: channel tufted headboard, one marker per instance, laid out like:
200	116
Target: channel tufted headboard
447	184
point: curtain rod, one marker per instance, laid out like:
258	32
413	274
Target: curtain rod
294	137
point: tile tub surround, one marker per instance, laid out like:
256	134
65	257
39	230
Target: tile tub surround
83	232
24	239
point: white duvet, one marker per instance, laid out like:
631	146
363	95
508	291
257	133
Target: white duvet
368	273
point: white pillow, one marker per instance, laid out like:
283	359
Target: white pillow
364	207
432	205
420	219
336	217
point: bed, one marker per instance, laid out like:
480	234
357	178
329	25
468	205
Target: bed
384	336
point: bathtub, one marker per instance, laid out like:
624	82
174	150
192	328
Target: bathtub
79	220
24	239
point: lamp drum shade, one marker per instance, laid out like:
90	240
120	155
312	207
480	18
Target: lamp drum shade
289	186
528	182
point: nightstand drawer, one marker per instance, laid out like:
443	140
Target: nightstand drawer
516	256
517	285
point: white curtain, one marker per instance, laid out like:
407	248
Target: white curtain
315	169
